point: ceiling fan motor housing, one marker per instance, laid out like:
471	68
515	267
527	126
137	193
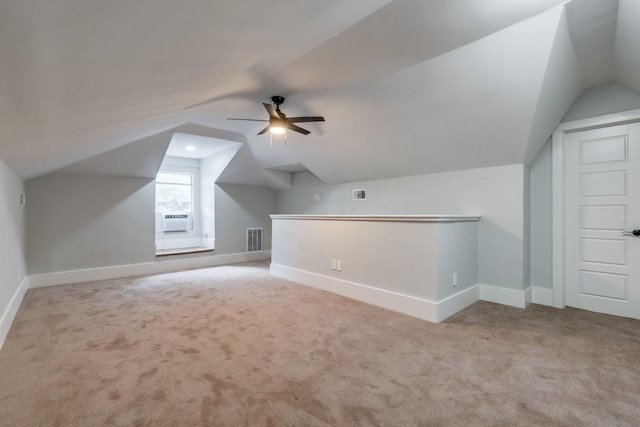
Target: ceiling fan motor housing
278	100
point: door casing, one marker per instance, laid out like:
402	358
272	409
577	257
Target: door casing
558	190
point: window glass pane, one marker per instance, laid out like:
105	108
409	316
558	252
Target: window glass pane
173	197
174	178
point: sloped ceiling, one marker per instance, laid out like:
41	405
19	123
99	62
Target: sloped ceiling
407	86
627	54
143	158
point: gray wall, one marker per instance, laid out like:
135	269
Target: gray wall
12	236
495	193
604	99
78	221
210	169
238	207
457	253
526	211
541	219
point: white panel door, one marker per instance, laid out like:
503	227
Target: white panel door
602	179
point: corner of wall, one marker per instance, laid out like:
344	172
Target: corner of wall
526	232
11	310
238	207
13	282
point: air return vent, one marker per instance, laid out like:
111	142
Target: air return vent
254	239
359	194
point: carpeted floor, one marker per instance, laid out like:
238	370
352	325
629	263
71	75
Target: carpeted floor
233	346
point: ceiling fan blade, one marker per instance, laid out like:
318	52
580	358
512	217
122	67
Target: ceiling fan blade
305	119
264	130
248	120
272	111
297	129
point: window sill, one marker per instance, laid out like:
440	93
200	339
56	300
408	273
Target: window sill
182	251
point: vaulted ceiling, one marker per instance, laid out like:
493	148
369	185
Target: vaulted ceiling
407	87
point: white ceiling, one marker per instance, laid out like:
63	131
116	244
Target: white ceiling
191	146
406	87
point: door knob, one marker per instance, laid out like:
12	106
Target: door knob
635	232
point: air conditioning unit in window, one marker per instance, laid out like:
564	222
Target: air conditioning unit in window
175	222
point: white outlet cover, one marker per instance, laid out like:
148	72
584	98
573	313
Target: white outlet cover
339	265
316	197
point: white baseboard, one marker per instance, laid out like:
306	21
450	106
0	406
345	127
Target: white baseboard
406	304
12	309
164	266
505	296
434	311
516	298
542	296
455	303
528	296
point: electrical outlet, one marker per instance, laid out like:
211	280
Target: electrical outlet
339	265
316	197
334	264
455	279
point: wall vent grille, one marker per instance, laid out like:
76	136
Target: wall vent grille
254	239
359	194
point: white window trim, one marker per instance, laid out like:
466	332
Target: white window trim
194	170
193	191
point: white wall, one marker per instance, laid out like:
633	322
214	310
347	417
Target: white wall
78	221
12	237
207	203
238	207
496	193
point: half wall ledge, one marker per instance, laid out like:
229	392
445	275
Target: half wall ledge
393	218
421	265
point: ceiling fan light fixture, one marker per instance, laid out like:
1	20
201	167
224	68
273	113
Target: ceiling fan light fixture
279	122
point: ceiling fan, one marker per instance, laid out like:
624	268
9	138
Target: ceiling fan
279	122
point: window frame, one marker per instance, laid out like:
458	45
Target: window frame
191	186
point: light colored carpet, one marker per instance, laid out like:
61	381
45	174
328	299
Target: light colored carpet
233	346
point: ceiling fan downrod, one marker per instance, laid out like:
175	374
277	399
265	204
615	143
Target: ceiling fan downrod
278	101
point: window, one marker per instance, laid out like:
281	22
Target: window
174	192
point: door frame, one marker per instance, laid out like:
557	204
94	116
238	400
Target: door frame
558	191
